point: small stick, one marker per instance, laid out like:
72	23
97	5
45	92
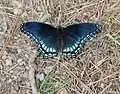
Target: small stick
32	74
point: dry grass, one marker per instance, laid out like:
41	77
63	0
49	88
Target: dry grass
95	71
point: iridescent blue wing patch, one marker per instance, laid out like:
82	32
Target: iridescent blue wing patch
76	35
43	34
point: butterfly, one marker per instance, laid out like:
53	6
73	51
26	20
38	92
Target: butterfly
53	41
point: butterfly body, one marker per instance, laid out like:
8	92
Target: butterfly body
59	40
52	41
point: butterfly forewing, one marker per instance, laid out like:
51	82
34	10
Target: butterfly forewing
43	34
75	36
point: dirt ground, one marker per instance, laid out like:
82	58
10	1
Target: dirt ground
96	70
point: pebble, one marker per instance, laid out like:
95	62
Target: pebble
8	62
3	27
26	55
102	85
4	57
10	80
11	71
17	11
27	68
48	69
20	61
19	51
40	76
34	51
15	77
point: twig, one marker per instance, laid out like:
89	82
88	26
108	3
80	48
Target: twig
32	74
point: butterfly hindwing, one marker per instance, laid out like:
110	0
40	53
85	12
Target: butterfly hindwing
76	35
43	34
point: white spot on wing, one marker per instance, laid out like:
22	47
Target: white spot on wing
50	54
54	50
76	45
88	36
47	50
51	49
43	45
36	40
68	49
43	52
85	38
33	37
78	49
73	47
41	42
82	41
64	50
30	35
69	54
46	55
75	51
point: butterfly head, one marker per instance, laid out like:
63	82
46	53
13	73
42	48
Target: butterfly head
59	28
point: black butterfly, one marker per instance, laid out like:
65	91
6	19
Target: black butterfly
52	41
